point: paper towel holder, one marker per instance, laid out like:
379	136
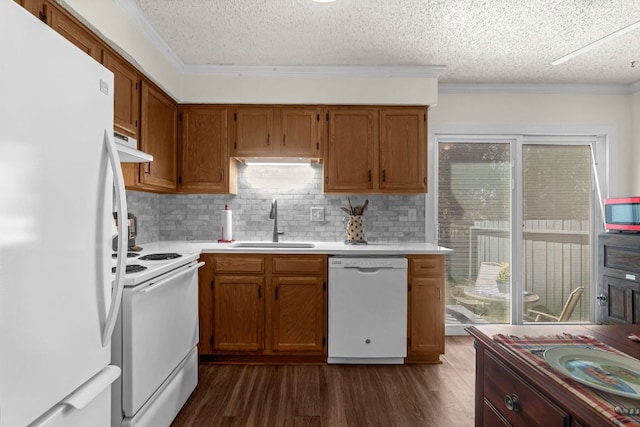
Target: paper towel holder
226	235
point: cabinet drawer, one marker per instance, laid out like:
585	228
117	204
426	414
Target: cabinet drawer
298	264
426	265
491	417
239	264
625	259
532	409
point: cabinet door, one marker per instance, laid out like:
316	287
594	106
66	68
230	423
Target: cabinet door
35	7
238	313
158	137
350	157
297	314
300	131
205	304
623	301
254	134
426	316
71	30
403	150
126	99
204	160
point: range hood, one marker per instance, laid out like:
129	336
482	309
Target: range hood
128	150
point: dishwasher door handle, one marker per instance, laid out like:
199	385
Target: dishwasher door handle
369	269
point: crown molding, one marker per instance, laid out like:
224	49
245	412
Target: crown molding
634	87
429	71
132	11
534	88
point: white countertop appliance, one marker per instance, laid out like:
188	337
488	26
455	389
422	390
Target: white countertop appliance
155	339
58	164
367	310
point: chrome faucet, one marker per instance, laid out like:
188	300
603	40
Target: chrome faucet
274	216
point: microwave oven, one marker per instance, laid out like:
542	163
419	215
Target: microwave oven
622	214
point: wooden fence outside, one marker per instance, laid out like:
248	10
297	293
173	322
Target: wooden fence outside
557	258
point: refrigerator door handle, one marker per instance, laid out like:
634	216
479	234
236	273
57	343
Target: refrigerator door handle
88	391
121	202
82	396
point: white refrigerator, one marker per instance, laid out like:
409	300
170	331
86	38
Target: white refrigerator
58	164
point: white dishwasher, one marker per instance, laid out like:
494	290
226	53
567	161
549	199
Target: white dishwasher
367	310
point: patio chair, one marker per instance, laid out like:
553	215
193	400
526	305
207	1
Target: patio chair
487	275
542	314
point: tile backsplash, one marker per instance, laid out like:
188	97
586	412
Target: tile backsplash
297	189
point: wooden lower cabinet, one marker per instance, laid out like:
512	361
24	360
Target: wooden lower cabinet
263	305
238	313
426	308
297	314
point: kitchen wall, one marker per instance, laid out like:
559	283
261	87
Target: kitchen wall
565	111
297	189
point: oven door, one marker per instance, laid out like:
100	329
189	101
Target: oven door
159	329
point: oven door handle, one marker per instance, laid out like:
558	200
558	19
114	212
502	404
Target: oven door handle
153	286
121	202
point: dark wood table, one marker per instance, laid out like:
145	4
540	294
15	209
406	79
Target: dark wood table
542	400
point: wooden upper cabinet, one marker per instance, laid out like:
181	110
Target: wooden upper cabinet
376	150
70	29
350	154
158	137
254	132
204	165
300	131
273	131
35	7
403	150
126	112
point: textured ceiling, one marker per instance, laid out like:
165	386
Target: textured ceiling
479	41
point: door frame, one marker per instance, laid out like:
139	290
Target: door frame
601	137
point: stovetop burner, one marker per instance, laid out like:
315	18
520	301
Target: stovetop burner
159	257
129	255
131	268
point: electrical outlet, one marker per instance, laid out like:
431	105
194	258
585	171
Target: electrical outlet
317	214
411	215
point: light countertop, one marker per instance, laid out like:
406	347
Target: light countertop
329	248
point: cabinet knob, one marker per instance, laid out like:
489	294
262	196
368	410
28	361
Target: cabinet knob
602	299
513	402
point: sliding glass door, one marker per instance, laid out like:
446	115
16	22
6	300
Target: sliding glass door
474	217
557	202
519	213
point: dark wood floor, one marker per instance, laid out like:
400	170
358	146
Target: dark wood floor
337	395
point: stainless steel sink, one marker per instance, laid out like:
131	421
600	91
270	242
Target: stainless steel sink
272	245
